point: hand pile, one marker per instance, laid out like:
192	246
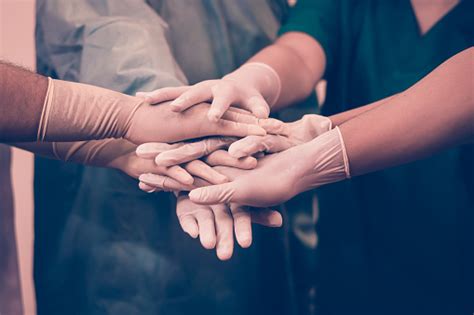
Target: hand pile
220	160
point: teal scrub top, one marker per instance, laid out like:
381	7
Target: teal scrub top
401	240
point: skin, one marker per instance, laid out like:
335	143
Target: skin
22	96
435	114
298	60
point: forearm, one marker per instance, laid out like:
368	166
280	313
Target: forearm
299	61
22	95
340	118
99	153
434	114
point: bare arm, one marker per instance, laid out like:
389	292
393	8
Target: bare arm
299	61
434	114
340	118
22	96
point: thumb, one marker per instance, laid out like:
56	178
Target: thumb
215	194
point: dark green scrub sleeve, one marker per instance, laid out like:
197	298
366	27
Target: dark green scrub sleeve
319	19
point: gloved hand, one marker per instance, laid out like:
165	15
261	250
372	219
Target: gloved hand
281	136
187	155
214	224
75	111
280	176
120	154
178	153
254	87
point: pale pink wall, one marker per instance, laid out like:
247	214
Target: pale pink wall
17	45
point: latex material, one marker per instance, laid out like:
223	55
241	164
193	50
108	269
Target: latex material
188	154
280	176
75	111
254	87
81	111
112	153
210	148
281	136
216	224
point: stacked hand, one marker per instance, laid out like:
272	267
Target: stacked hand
218	160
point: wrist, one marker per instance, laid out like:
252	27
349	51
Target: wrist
261	77
327	161
75	111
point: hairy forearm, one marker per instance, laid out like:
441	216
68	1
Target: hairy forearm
434	114
22	96
299	61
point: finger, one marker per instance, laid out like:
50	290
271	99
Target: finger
223	158
251	145
231	128
242	225
225	235
237	116
257	105
200	169
147	188
247	146
162	95
223	96
152	149
189	225
207	231
199	182
240	110
266	217
163	182
198	93
185	217
180	174
274	126
192	151
223	193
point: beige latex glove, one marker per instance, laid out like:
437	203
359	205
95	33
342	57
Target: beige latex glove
178	153
281	136
254	87
75	111
120	154
280	176
216	224
187	154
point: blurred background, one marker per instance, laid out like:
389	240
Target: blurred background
17	21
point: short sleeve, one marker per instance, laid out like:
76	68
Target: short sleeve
321	20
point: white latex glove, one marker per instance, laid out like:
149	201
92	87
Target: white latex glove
281	136
74	111
216	224
254	87
280	176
